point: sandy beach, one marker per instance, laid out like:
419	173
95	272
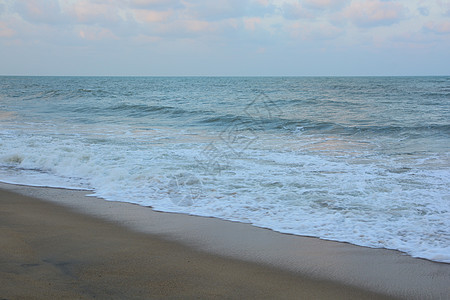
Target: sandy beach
58	243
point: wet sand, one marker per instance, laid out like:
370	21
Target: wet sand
77	247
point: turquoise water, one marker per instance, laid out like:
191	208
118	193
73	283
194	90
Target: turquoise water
358	159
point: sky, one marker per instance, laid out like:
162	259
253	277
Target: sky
225	37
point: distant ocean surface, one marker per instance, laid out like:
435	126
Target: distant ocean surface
364	160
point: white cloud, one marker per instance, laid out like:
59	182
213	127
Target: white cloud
423	10
5	31
95	34
441	27
314	31
293	11
151	16
226	9
37	11
158	5
225	25
370	13
325	4
89	12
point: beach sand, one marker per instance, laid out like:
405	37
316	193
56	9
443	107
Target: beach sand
57	243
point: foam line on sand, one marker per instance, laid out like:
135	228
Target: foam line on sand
84	237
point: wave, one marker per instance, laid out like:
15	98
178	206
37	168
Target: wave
314	126
142	109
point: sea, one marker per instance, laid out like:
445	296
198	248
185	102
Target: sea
363	160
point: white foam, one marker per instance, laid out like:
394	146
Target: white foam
329	190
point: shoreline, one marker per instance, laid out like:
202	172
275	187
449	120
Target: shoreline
380	271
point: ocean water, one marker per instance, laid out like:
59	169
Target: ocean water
365	160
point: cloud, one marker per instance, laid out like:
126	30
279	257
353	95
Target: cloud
185	29
372	13
294	11
151	16
312	9
447	10
252	23
5	31
424	11
37	11
442	27
96	34
198	26
153	4
213	19
157	5
215	10
223	26
325	4
91	12
315	31
226	9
